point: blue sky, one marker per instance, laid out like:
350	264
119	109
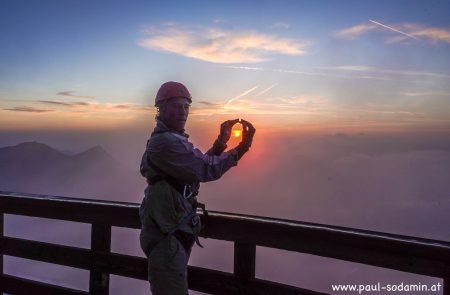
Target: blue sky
370	64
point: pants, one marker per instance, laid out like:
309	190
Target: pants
167	267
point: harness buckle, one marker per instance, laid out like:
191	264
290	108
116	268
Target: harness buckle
187	188
195	220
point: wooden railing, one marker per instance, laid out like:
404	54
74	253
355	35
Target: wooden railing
409	254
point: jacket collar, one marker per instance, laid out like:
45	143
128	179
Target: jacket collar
162	127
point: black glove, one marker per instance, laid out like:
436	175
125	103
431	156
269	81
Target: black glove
247	138
247	133
225	133
225	130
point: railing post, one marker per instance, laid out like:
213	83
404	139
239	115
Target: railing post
1	251
100	242
244	262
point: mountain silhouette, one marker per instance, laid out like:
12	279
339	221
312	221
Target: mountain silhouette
34	167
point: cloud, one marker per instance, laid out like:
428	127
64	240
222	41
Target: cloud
121	106
218	45
348	68
61	103
132	106
396	114
373	70
351	68
55	102
57	113
218	20
96	106
249	103
71	94
419	94
276	70
355	31
340	180
281	25
434	34
211	105
27	109
407	31
208	103
206	108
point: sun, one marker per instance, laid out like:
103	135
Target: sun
237	133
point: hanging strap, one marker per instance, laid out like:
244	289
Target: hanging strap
185	220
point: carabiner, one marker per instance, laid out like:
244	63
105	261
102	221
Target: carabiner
190	191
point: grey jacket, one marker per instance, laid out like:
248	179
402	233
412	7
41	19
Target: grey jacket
163	206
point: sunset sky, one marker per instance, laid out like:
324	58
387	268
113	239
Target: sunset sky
291	65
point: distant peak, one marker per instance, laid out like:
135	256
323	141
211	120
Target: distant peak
33	145
95	151
31	148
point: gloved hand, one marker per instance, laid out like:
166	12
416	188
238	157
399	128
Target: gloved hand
247	133
247	138
225	133
225	130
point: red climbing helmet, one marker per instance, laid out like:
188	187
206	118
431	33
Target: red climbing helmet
172	89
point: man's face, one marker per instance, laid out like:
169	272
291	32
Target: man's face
176	112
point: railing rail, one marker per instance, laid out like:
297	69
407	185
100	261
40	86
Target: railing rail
404	253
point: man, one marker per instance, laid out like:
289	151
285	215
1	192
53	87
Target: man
174	170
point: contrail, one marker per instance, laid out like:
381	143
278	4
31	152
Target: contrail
265	90
241	95
387	27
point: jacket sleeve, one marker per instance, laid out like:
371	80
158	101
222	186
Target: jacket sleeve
217	148
180	159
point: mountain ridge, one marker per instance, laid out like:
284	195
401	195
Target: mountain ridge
34	167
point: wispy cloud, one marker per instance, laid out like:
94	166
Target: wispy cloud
218	20
71	94
434	34
251	102
218	45
275	70
354	72
131	107
355	31
373	70
27	109
77	107
398	32
387	112
354	68
95	106
210	104
281	25
420	94
63	103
